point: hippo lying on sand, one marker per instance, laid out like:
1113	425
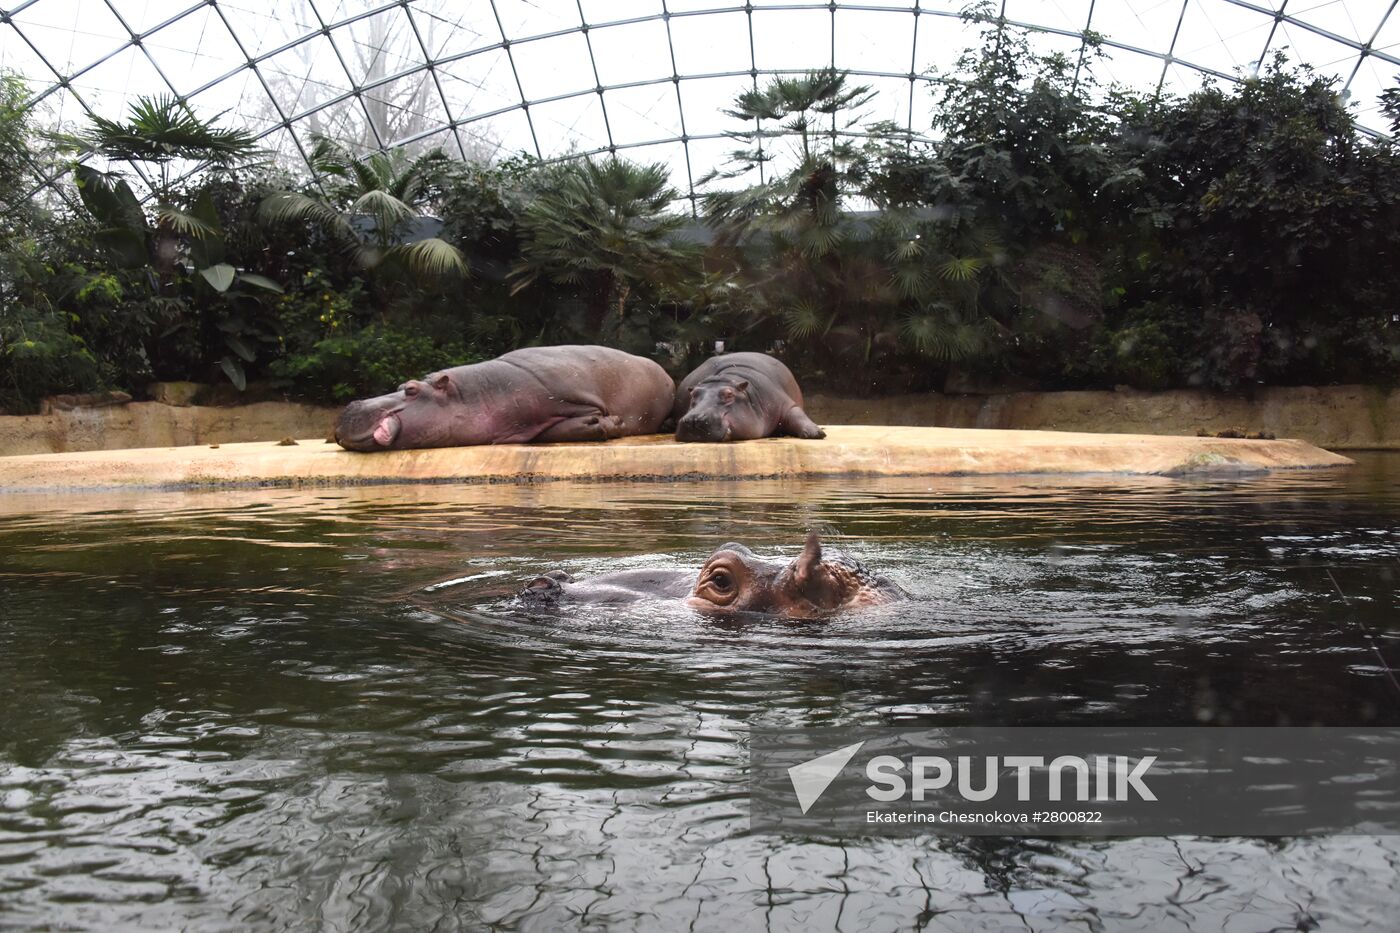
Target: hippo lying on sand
740	397
734	579
542	394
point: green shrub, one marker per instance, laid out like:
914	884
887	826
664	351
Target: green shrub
370	361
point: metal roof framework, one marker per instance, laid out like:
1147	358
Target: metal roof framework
561	78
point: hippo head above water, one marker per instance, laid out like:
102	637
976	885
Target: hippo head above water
735	580
413	416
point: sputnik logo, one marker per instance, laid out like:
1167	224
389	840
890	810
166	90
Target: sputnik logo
811	778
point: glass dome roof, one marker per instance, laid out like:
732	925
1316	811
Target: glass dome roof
648	78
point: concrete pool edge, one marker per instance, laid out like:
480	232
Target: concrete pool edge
848	450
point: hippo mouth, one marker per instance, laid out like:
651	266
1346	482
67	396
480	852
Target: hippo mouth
690	432
387	430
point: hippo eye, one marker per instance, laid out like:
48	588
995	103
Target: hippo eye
410	389
722	581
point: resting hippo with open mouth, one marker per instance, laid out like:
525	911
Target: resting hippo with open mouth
734	579
539	394
741	397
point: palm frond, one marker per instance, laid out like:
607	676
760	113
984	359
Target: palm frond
803	320
388	211
282	207
184	223
163	128
431	257
961	269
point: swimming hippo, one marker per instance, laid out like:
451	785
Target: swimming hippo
739	397
539	394
733	579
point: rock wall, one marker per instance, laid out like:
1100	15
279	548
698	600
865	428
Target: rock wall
155	424
1336	417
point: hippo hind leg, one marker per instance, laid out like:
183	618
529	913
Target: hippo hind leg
796	424
591	427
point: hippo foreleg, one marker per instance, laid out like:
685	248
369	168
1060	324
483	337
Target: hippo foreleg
593	427
796	424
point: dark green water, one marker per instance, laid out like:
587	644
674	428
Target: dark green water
284	710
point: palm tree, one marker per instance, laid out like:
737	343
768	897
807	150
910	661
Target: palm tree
159	132
181	246
605	227
368	205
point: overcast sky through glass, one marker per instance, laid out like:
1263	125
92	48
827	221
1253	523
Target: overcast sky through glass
647	78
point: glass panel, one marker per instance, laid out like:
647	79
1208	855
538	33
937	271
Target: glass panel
195	50
116	83
16	56
1356	21
669	155
572	125
639	114
1049	43
905	4
1130	69
554	66
942	40
264	27
1222	36
1146	24
454	28
378	46
280	148
709	154
344	121
1182	80
1061	14
711	43
1388	39
479	84
499	137
143	15
305	76
871	41
334	11
631	53
405	108
1326	56
685	6
891	102
604	11
443	139
704	99
61	112
244	99
799	40
1371	79
71	34
521	18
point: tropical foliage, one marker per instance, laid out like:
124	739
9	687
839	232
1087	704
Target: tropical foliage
368	208
1054	233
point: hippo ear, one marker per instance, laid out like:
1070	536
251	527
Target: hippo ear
743	386
808	565
811	579
441	382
